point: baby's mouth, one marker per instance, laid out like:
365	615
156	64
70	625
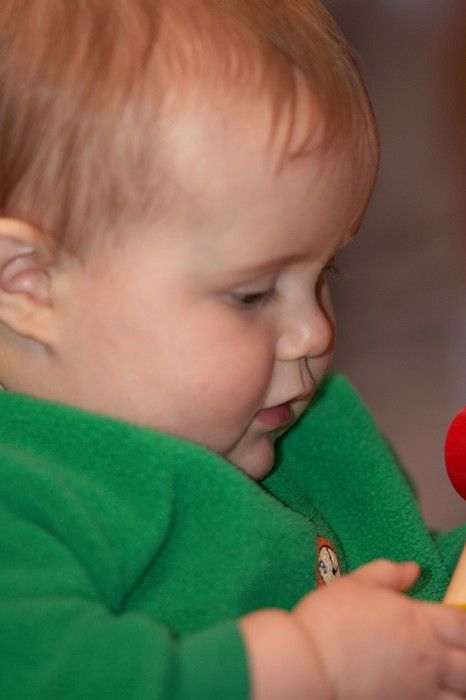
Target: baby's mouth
275	416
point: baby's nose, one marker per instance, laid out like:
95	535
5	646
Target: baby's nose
308	331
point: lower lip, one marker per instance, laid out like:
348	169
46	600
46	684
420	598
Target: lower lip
276	416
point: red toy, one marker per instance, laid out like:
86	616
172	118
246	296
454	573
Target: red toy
455	452
455	461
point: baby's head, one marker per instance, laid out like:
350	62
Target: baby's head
176	178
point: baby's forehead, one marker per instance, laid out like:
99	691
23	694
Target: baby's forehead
227	175
214	143
220	85
234	83
263	127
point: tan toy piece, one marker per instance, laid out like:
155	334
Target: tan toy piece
456	593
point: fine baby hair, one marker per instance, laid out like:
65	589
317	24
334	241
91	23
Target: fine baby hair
87	86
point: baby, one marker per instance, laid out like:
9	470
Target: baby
177	179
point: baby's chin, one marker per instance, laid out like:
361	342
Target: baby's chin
255	453
255	458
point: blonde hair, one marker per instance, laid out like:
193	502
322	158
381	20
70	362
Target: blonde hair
82	83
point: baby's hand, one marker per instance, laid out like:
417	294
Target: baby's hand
375	643
359	639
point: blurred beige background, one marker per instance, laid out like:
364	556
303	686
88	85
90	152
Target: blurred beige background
402	306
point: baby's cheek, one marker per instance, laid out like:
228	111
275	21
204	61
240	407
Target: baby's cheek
242	380
230	390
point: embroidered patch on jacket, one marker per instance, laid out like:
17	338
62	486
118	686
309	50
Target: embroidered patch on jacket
328	565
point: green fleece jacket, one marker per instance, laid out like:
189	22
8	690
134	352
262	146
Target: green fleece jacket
126	555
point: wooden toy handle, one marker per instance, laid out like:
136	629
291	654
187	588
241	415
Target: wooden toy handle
456	593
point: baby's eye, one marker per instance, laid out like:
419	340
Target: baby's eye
252	300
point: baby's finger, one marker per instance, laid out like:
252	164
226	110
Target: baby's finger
389	574
449	624
454	672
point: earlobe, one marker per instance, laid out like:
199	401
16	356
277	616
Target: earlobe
25	303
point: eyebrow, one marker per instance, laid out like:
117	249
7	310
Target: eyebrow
264	267
274	263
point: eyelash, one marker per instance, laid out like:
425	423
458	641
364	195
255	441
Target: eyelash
253	300
333	269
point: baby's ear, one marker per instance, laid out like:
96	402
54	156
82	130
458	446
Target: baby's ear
25	302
